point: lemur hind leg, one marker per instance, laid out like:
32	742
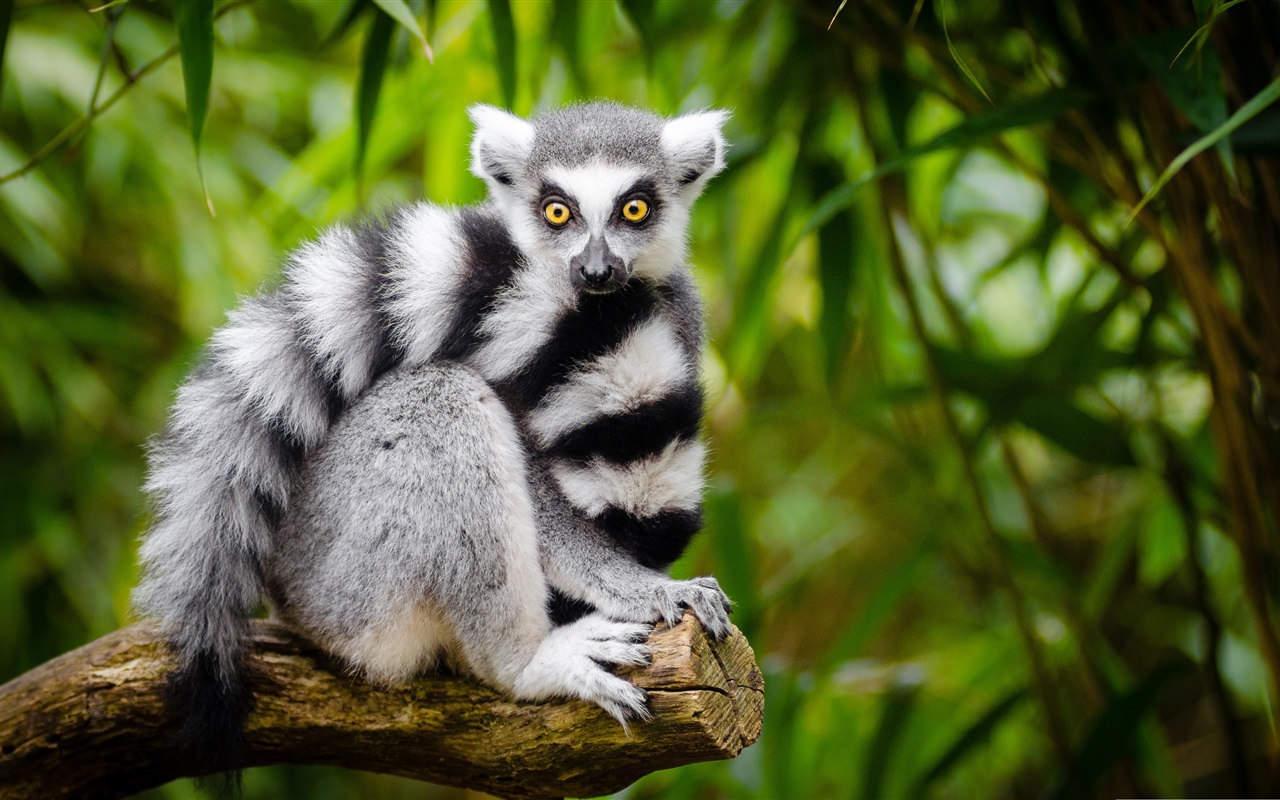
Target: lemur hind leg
412	533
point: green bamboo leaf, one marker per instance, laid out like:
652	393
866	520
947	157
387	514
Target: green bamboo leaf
1243	114
1196	89
566	24
898	705
972	737
895	585
641	14
839	8
968	73
347	21
836	243
1088	438
6	14
373	67
399	11
194	20
1202	33
1112	734
736	556
504	45
971	131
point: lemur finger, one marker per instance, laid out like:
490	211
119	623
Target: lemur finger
623	701
712	615
707	582
610	631
618	653
668	605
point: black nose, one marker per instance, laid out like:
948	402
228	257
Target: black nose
596	268
597	278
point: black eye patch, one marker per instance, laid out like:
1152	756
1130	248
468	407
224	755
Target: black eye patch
646	190
549	193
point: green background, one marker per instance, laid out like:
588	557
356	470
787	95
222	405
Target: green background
965	488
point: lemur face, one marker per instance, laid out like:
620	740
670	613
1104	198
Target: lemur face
600	191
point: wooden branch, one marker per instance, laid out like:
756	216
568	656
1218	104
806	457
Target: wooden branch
91	723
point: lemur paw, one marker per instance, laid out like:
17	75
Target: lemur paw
703	595
571	662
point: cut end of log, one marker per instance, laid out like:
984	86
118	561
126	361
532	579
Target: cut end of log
91	722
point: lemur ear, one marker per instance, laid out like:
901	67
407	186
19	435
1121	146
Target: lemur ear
696	146
500	145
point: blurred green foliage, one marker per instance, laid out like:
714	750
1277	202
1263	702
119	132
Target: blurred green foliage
994	481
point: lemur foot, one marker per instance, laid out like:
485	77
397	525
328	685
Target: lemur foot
569	664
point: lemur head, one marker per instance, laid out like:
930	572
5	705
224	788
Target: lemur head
600	190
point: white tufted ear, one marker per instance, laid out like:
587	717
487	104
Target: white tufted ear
500	145
696	146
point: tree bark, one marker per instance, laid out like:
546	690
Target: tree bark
91	722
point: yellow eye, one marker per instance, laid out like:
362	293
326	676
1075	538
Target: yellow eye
635	210
556	213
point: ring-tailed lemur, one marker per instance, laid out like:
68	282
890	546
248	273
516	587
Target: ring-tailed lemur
441	419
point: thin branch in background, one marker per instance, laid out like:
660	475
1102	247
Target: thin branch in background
1044	535
894	202
892	193
105	6
114	13
1056	725
1176	478
69	132
838	10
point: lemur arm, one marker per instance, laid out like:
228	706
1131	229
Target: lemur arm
586	563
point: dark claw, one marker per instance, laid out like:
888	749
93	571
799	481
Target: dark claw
648	704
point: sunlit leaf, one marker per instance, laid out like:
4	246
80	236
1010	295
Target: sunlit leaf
373	67
504	48
399	11
1243	114
194	20
839	8
1164	545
